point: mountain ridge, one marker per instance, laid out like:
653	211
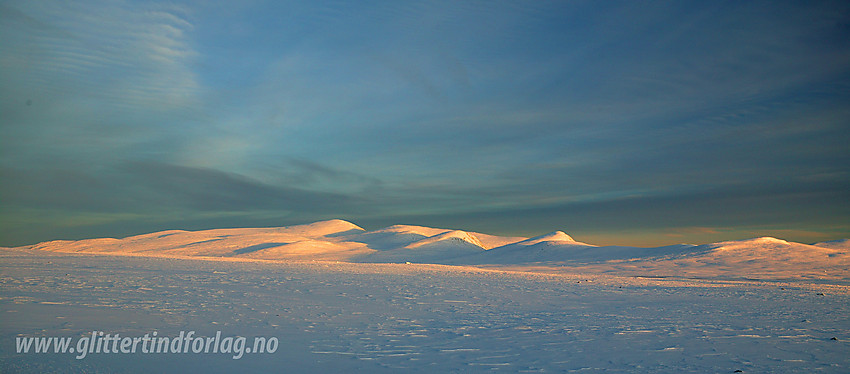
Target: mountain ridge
340	240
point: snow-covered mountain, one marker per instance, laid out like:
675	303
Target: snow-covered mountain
339	240
433	249
759	258
326	240
835	244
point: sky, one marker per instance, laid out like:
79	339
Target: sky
633	122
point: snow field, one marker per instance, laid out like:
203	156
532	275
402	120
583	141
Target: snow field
335	317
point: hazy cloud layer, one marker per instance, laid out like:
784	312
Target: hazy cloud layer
678	120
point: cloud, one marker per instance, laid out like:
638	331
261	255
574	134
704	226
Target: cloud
733	210
123	54
443	111
212	190
156	188
148	195
87	82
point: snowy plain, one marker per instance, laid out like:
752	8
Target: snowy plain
343	299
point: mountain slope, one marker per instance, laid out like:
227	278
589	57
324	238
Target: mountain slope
834	244
338	240
759	258
311	241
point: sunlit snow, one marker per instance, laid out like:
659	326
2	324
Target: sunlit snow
420	299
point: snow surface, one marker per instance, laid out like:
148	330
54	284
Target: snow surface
672	309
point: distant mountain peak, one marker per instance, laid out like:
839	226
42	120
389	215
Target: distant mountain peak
328	227
453	235
554	236
770	239
336	222
834	244
756	241
558	236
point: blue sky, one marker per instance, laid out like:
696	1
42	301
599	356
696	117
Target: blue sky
643	123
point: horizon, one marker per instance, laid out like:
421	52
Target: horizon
618	123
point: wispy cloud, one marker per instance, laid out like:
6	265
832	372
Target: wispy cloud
121	53
88	83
